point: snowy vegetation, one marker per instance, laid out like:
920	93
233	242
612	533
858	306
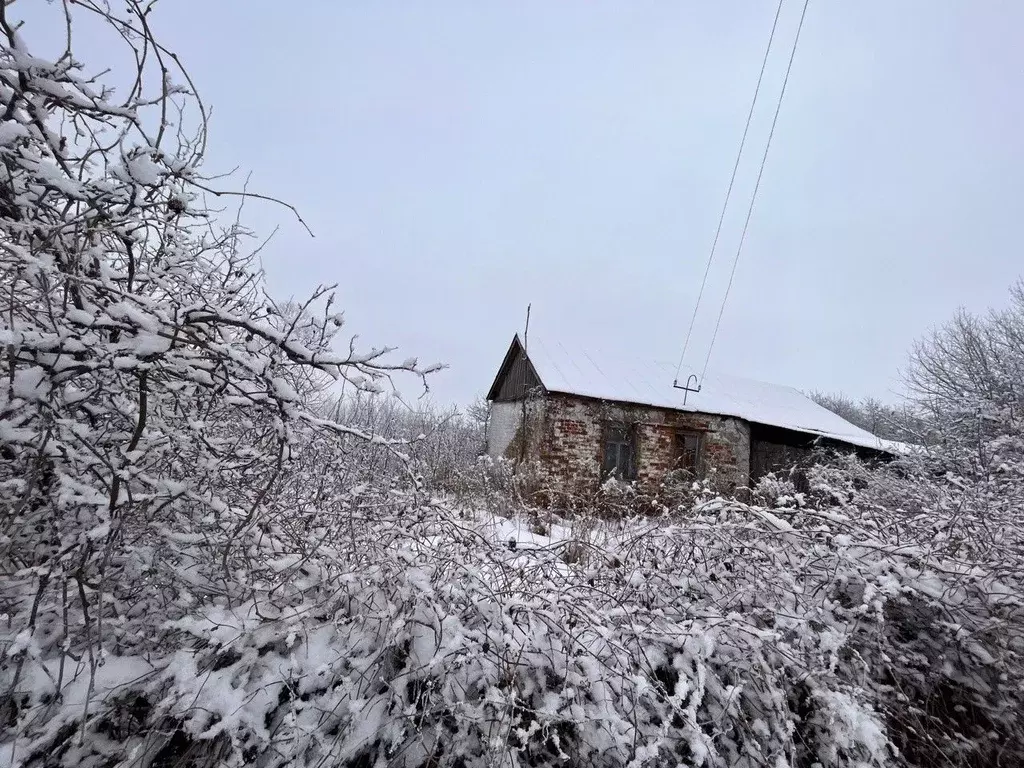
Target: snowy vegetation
903	423
209	556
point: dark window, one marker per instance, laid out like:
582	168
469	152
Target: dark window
689	447
619	454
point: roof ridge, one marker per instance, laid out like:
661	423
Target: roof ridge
617	375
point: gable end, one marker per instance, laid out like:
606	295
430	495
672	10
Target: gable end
516	377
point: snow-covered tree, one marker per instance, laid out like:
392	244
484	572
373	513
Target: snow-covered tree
903	423
969	375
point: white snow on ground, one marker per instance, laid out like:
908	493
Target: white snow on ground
522	531
549	532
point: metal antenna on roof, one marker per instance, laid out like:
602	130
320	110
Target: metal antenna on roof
688	389
524	424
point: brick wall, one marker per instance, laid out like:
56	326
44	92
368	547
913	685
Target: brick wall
570	444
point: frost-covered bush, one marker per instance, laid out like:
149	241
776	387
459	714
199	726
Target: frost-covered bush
422	643
151	403
741	636
949	656
443	446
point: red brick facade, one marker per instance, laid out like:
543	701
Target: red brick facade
566	437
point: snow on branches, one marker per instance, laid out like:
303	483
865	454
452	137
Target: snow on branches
152	393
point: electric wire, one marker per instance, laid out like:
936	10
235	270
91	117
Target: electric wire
728	192
757	186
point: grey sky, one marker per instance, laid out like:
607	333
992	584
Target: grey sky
458	160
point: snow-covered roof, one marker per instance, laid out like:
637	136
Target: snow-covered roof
651	383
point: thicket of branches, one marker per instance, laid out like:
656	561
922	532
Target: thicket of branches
903	423
440	444
205	560
968	377
965	384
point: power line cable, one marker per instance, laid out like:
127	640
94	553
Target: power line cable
757	185
728	192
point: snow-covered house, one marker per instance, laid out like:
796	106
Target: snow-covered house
580	417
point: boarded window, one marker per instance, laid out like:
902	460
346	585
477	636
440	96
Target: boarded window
619	452
689	447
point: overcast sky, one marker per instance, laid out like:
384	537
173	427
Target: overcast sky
457	160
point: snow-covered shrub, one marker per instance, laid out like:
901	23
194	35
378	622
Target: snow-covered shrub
496	486
774	489
948	658
443	446
741	636
419	643
151	402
